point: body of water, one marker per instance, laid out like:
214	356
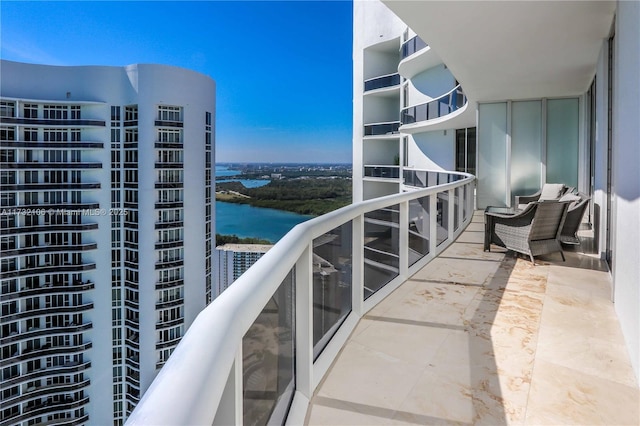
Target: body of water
223	171
248	183
246	221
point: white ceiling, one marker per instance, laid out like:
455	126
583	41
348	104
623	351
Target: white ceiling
503	50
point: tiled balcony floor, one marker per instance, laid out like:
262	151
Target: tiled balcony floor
484	338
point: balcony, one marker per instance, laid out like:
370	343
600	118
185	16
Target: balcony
389	128
419	118
28	165
48	186
77	287
32	270
469	337
50	248
382	82
417	57
382	172
295	308
414	179
51	145
52	122
486	338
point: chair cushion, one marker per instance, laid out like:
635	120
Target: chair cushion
551	191
570	197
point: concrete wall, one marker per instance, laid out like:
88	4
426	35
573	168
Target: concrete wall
626	179
430	84
433	150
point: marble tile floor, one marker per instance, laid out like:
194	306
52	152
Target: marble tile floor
486	338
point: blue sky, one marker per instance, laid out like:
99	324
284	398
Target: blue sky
282	69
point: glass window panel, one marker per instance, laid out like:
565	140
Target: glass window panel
471	150
562	141
526	147
492	155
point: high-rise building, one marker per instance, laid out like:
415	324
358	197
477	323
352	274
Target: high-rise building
232	260
412	113
107	232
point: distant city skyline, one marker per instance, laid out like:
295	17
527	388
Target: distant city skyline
282	69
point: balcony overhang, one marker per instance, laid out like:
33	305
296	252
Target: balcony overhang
418	62
513	50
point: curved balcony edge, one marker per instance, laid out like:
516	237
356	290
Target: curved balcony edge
422	117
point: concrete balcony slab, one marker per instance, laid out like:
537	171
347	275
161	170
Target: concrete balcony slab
486	338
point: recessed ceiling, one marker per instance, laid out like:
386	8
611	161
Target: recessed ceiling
503	50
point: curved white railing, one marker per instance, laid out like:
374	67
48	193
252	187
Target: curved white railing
258	340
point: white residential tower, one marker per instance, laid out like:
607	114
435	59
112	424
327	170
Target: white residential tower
107	227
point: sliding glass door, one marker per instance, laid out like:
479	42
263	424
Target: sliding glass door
492	155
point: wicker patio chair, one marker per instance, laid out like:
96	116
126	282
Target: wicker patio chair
572	222
533	231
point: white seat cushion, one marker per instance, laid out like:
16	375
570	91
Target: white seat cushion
570	197
551	191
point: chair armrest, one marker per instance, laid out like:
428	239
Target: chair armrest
526	199
512	215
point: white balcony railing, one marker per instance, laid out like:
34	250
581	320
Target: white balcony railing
258	351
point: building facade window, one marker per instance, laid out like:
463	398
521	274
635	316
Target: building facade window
7	109
30	111
169	113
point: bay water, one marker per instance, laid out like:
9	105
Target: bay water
246	221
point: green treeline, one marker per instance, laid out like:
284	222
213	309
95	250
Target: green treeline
304	196
234	239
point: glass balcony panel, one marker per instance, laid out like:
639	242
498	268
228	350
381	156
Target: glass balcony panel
268	350
442	218
381	230
381	129
418	229
432	179
444	107
409	177
389	172
456	208
422	178
408	116
332	281
465	197
421	113
381	82
432	110
412	46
